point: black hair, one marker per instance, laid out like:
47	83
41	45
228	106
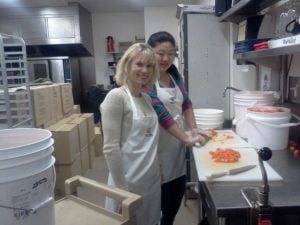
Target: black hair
160	37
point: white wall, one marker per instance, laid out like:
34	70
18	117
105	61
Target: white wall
295	66
123	27
161	19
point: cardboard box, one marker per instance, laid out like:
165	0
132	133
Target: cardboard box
82	130
76	122
98	142
85	163
91	149
57	124
74	116
76	110
56	102
49	123
90	125
65	171
66	97
66	145
40	105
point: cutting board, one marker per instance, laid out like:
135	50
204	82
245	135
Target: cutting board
226	138
205	166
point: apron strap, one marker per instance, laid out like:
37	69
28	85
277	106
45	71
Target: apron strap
134	110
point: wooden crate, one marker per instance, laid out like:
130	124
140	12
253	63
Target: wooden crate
68	208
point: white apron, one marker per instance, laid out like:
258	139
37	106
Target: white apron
170	150
141	166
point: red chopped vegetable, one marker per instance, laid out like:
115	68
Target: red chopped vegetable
227	155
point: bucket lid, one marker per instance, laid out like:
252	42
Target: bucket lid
254	95
22	137
268	109
253	103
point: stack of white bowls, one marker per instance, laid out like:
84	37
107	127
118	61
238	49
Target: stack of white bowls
209	118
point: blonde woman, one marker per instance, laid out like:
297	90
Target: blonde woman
130	131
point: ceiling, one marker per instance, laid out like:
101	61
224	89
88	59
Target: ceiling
97	6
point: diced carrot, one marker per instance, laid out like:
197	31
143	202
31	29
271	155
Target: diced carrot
211	133
225	155
229	136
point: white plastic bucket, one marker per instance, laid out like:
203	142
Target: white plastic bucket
27	180
244	100
269	129
17	142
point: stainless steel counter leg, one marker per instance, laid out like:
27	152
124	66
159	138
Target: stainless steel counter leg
189	186
200	211
221	221
200	206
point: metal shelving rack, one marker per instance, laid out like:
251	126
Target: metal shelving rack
245	8
269	57
15	99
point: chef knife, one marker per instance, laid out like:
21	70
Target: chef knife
230	171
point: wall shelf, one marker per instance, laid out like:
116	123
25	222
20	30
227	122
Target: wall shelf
268	52
268	57
245	8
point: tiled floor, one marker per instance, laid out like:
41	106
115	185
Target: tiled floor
187	215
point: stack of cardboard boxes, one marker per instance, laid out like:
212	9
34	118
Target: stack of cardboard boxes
51	103
74	147
76	138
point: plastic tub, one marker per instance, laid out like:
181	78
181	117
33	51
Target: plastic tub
269	127
27	177
17	142
244	100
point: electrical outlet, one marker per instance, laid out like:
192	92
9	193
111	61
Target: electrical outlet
264	78
294	89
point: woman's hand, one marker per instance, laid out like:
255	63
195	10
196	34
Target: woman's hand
205	133
196	138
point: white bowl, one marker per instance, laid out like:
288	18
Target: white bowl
207	112
203	117
209	120
210	125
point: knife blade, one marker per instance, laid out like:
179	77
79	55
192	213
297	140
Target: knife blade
230	171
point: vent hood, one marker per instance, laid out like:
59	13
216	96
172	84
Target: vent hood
51	31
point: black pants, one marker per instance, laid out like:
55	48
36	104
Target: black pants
171	197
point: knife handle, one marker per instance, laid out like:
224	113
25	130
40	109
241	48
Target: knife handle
217	174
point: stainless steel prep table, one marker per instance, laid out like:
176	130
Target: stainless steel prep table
223	202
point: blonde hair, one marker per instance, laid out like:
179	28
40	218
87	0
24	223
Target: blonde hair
129	55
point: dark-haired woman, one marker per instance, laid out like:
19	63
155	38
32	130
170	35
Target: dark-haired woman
175	113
